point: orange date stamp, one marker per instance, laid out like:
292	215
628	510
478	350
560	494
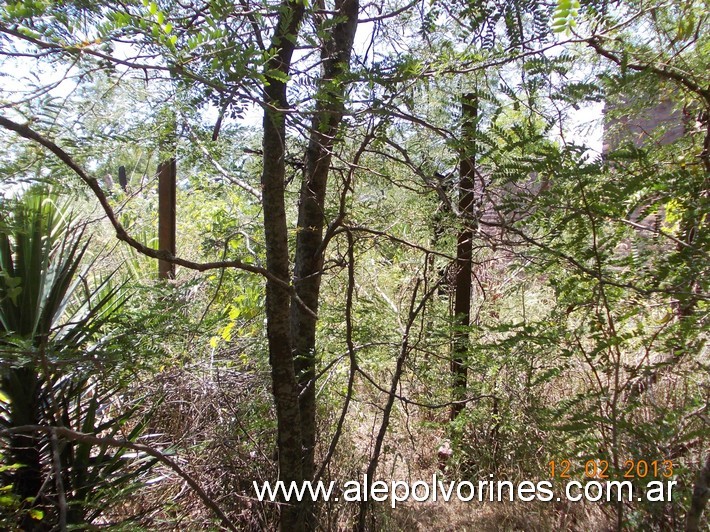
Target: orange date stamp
597	468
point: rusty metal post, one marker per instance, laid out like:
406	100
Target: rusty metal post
167	179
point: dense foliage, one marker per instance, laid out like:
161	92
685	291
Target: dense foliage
400	228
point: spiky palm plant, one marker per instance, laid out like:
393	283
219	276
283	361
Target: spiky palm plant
51	325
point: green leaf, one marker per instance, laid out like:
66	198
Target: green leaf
277	75
8	500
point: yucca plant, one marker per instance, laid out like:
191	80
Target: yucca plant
52	343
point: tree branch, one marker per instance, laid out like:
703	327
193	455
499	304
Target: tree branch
664	71
28	133
49	46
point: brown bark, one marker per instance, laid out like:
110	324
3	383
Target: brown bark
283	376
464	252
328	115
166	215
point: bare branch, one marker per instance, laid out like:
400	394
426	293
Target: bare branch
223	171
391	14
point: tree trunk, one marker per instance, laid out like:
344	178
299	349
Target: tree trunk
283	375
464	252
328	115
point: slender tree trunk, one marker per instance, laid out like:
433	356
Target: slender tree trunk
464	252
285	388
336	53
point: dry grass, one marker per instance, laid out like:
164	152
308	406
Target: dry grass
206	419
221	427
497	517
